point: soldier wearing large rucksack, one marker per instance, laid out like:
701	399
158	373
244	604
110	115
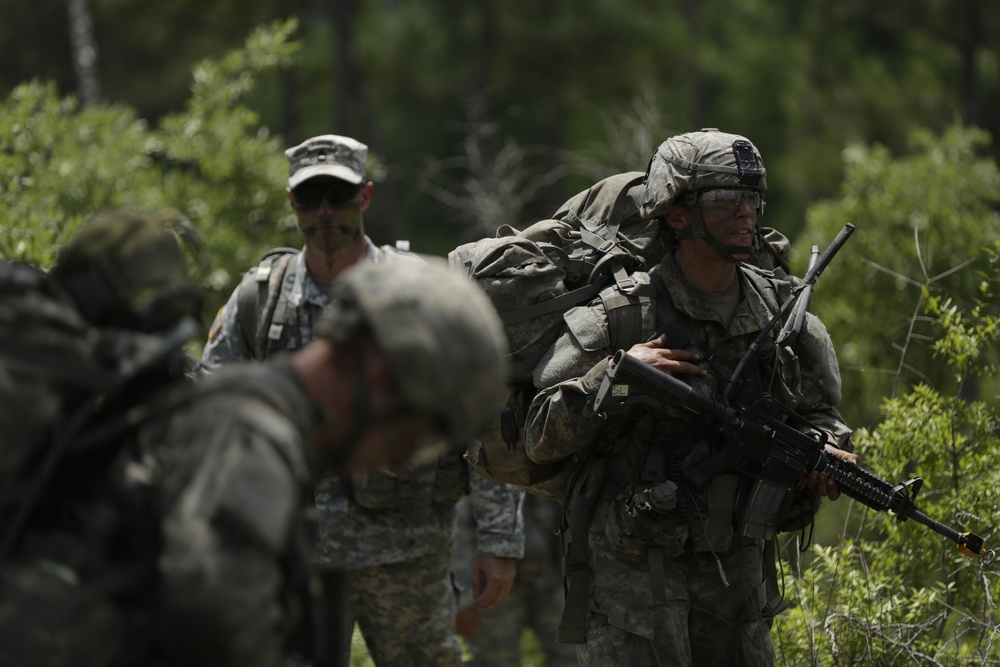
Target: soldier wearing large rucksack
84	350
589	247
655	573
673	582
150	521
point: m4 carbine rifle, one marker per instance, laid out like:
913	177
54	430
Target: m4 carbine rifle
768	449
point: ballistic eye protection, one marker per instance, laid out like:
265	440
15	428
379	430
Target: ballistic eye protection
309	195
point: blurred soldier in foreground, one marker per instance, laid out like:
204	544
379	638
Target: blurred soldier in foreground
163	522
535	602
392	530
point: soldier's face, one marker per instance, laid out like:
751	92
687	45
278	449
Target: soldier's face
730	216
329	212
394	434
402	444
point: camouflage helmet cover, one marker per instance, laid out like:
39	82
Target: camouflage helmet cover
441	334
126	271
698	160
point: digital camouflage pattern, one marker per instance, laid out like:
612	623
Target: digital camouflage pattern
380	519
410	620
536	600
694	161
227	467
47	349
626	608
327	155
126	271
439	332
306	300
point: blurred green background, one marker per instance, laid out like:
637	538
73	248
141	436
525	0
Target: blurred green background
882	114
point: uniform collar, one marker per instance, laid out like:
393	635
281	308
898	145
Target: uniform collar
751	315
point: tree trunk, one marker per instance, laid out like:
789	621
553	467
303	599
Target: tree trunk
84	49
968	46
353	113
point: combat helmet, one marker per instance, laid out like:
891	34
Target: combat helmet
687	164
126	271
441	334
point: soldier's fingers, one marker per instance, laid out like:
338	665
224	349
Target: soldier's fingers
678	367
490	597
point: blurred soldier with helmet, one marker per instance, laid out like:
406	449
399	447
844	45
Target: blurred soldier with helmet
151	521
390	530
657	573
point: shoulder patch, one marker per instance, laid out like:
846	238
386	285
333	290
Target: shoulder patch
216	325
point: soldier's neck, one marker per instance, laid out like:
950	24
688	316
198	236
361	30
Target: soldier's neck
326	265
706	272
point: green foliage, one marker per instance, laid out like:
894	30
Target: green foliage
896	592
213	163
921	217
59	164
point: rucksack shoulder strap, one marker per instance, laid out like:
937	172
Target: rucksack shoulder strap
630	307
258	296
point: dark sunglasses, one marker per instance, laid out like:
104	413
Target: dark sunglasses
337	194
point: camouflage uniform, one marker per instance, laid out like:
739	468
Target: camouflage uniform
165	532
392	532
179	542
306	298
686	590
229	470
395	536
536	600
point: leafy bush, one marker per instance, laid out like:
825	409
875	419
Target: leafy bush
212	163
897	593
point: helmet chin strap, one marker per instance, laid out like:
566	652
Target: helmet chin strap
697	231
341	451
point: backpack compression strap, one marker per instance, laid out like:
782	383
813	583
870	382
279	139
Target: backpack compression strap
254	318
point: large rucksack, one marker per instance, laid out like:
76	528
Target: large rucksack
533	276
588	248
71	395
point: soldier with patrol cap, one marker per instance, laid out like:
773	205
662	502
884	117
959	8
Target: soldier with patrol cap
276	305
671	582
178	541
392	530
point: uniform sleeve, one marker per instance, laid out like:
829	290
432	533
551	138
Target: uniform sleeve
496	512
821	388
227	536
225	339
561	420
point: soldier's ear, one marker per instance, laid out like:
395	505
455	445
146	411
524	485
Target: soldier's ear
366	195
679	217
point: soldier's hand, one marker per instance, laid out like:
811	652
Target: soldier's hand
820	483
492	579
660	356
